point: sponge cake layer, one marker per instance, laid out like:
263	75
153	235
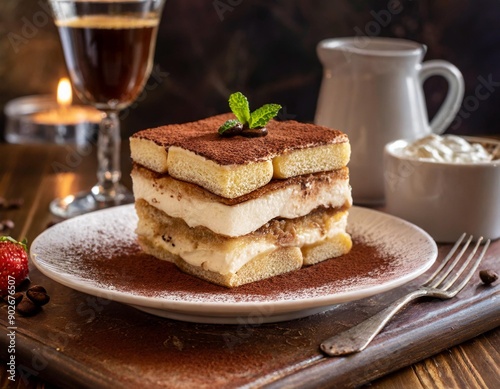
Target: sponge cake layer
293	149
228	181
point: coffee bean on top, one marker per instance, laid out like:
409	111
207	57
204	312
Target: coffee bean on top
233	131
254	132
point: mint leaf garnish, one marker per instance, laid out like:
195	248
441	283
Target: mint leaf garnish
247	124
231	123
262	115
240	107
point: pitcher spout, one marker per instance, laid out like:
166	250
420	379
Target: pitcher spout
333	51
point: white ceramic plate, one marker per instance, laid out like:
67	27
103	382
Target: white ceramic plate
97	254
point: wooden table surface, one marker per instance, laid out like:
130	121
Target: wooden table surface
37	174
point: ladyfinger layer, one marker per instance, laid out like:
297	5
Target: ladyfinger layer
232	167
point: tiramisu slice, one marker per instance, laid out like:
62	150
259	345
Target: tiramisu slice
233	210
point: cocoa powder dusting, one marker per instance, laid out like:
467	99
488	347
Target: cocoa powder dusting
201	138
145	275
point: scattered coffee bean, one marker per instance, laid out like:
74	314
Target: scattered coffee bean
27	307
38	295
18	296
37	288
30	302
488	276
24	284
14	203
6	224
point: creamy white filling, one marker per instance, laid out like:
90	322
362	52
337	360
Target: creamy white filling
213	258
243	218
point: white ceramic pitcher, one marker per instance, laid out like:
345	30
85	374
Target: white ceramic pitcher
372	91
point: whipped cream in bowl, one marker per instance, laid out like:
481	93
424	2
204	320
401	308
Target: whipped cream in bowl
449	148
446	185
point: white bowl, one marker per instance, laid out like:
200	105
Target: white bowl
445	199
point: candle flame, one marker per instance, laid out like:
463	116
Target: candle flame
64	93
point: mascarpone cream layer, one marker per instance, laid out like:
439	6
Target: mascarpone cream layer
292	201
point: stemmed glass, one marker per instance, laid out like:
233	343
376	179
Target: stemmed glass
109	47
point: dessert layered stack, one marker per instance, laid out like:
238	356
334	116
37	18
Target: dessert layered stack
237	210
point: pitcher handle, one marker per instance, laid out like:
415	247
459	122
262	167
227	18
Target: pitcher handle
455	94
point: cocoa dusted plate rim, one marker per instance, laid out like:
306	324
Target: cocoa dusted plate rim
97	254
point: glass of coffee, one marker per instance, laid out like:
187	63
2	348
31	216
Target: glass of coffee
109	47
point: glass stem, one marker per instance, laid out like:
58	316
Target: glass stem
108	159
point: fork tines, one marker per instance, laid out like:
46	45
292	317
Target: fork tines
445	278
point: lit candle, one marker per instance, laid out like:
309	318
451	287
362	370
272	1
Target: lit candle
65	113
64	93
43	119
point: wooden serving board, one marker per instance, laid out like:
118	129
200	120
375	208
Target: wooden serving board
80	340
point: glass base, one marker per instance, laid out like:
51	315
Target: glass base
85	202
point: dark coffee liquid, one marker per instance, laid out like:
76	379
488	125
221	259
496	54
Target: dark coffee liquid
109	58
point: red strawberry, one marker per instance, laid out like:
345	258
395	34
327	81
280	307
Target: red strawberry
13	263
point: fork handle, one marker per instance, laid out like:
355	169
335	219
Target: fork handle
358	337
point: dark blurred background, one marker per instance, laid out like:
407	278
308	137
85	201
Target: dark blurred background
266	49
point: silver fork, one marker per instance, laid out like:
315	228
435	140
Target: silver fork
441	284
